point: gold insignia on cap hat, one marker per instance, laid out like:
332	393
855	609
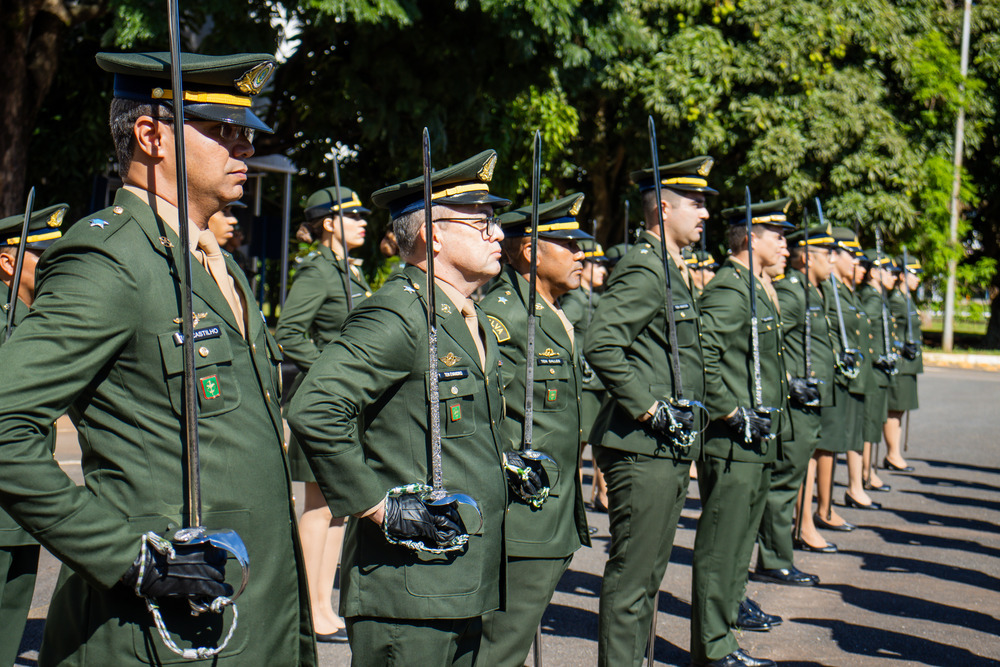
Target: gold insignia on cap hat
787	206
706	167
56	218
486	173
252	82
576	206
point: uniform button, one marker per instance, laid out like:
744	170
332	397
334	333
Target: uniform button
267	395
454	390
253	346
203	351
552	371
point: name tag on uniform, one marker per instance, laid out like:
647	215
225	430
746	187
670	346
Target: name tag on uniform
550	362
453	375
815	308
199	334
681	306
765	320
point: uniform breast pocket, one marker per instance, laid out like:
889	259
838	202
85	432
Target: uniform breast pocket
687	327
215	382
552	385
457	395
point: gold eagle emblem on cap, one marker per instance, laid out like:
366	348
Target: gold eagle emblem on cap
253	81
56	218
450	359
787	206
706	167
577	205
486	172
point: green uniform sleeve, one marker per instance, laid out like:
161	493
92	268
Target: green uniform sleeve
724	313
79	323
307	295
376	350
627	307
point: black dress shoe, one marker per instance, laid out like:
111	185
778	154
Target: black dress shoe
844	527
746	619
789	576
885	488
754	608
849	501
802	545
741	658
895	468
338	637
598	506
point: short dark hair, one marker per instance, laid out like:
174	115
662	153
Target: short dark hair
737	235
649	203
122	119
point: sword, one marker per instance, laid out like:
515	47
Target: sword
437	495
888	359
626	224
590	292
701	264
758	392
15	285
343	238
543	465
906	290
680	438
851	370
808	284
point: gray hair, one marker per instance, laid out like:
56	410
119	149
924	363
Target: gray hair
407	230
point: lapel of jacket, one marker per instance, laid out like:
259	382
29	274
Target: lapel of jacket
450	319
162	239
546	319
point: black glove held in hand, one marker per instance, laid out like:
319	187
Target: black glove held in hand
407	517
910	350
802	392
759	424
660	422
524	475
196	570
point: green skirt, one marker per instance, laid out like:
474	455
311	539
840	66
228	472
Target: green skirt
876	411
841	423
903	394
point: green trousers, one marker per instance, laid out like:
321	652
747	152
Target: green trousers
774	538
401	642
508	634
18	566
645	498
732	501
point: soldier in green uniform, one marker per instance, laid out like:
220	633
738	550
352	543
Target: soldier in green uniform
361	415
628	346
103	342
702	266
810	388
741	443
903	395
540	540
876	278
579	305
18	551
314	311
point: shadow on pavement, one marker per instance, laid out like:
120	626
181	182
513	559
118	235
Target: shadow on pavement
899	565
887	645
563	621
666	652
946	482
894	536
950	521
31	640
574	582
905	606
959	466
980	503
668	604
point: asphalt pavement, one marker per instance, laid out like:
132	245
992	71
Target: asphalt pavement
917	584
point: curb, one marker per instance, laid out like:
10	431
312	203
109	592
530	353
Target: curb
982	362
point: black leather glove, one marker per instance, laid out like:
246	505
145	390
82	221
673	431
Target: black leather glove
407	517
885	364
802	392
660	422
910	350
758	422
526	477
196	570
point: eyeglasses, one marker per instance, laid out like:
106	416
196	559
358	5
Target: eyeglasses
490	229
223	131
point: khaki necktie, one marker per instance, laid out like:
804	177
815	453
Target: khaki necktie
215	264
471	321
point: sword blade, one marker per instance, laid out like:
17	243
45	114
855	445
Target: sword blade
529	366
437	474
881	283
626	224
906	290
758	392
808	286
15	285
343	238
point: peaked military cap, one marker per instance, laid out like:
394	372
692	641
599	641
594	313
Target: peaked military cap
846	240
593	251
871	256
701	259
556	220
43	227
689	175
819	237
219	88
912	267
330	200
615	253
465	183
773	213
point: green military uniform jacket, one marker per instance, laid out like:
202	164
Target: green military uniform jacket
858	329
560	527
101	341
628	346
729	373
578	306
791	293
870	299
376	374
316	306
897	306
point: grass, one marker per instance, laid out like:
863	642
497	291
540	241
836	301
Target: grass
961	327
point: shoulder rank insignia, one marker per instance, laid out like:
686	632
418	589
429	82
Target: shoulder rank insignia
501	299
407	288
499	330
446	309
450	359
549	352
97	222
